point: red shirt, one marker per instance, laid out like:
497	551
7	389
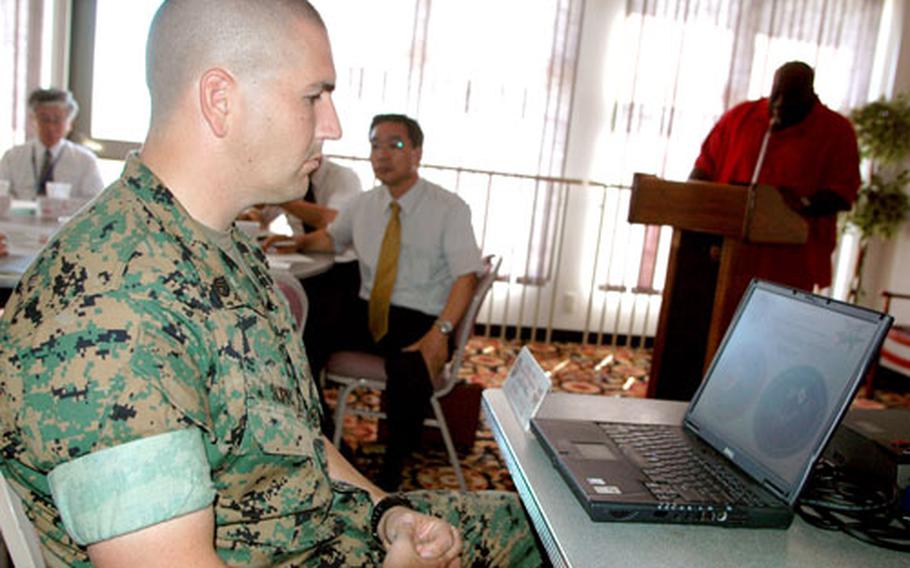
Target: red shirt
818	153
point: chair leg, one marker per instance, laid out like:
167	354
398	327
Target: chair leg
340	408
868	388
450	447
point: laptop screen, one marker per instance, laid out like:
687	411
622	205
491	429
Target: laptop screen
783	376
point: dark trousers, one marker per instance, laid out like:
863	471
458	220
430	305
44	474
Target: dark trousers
409	388
345	327
330	296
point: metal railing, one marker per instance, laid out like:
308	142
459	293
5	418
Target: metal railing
571	261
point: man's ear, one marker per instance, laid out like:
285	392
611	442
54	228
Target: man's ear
416	156
216	88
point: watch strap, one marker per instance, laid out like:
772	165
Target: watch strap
380	509
444	326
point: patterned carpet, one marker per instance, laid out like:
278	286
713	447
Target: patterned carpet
575	368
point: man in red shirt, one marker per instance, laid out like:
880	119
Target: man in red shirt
811	158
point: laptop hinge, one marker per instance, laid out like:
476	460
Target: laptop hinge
774	489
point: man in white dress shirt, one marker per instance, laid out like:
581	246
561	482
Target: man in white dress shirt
331	186
435	274
51	157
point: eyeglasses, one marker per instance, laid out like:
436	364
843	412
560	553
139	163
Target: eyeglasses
393	144
51	117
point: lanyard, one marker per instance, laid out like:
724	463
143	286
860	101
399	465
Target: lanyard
53	163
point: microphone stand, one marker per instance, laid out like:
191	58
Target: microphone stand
753	185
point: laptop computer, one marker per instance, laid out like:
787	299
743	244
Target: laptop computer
780	382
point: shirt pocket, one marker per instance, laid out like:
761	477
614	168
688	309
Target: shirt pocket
417	264
279	429
275	413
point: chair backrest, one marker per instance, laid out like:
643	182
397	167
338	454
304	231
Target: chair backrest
18	532
465	327
293	291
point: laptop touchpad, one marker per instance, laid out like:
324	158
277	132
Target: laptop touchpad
595	451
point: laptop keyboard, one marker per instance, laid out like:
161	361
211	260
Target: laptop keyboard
676	471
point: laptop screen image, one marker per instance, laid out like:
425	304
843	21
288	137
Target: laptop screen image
782	379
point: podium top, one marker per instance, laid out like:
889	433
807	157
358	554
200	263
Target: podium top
756	215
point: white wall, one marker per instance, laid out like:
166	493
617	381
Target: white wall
888	265
588	116
598	58
563	302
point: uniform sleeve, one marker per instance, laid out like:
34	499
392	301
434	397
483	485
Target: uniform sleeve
135	369
460	247
132	486
114	406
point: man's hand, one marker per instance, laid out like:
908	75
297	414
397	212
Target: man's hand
312	214
317	241
793	201
3	250
329	215
253	213
282	243
413	539
434	347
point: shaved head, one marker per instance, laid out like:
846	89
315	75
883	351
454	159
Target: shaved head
245	37
241	102
792	94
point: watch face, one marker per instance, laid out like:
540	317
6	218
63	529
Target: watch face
444	326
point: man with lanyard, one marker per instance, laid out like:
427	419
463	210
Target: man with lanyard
51	157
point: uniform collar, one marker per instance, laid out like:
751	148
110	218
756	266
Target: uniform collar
222	274
221	283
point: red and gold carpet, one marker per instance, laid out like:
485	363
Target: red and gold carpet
588	369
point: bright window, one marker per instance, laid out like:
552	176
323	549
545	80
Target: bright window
120	102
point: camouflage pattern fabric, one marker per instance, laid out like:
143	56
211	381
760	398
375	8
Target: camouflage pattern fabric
131	323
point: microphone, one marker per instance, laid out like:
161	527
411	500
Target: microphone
761	153
750	194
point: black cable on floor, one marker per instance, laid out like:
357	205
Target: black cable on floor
835	501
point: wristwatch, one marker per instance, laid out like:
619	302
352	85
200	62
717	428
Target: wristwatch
380	509
445	326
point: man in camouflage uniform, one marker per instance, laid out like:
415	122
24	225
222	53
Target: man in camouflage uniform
155	408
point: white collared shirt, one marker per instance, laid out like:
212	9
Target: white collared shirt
437	242
335	184
73	163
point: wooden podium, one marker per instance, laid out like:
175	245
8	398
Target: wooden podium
719	233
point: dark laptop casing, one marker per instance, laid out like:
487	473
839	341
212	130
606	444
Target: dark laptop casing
581	451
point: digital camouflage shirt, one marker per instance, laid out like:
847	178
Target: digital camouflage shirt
132	324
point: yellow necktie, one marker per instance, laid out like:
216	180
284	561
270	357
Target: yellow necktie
384	280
